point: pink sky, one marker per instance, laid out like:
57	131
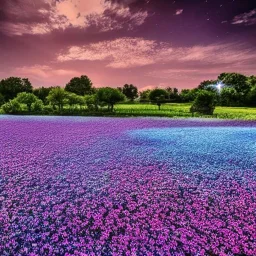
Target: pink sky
144	42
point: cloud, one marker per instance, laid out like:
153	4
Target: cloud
120	53
44	16
43	71
248	18
179	12
137	52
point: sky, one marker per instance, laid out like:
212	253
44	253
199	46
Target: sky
148	43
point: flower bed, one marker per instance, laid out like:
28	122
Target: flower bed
139	186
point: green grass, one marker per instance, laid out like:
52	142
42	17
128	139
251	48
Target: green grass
182	110
167	110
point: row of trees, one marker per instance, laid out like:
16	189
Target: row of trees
230	89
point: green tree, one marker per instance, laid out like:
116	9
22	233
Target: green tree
12	107
158	96
110	96
1	99
251	81
57	96
144	95
229	97
27	99
251	97
74	99
11	86
130	91
37	106
207	84
80	86
92	102
235	80
42	93
173	94
187	95
204	103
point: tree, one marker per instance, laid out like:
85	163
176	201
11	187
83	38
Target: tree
235	80
229	97
130	91
173	94
27	99
80	86
57	96
187	95
204	103
110	96
74	99
92	102
207	84
37	106
144	95
42	93
158	96
251	81
12	107
1	99
251	97
11	86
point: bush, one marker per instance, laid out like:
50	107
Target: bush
204	103
12	107
37	106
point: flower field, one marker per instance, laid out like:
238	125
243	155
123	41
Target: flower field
135	186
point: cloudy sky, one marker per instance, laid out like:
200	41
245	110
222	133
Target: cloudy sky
145	42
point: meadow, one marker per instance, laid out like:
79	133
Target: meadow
182	110
127	186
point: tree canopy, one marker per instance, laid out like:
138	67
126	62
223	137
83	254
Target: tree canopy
110	96
57	96
27	99
80	85
158	96
11	86
204	103
130	91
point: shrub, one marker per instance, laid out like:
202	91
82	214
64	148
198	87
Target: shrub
204	103
37	106
12	107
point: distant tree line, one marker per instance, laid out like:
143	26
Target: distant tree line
18	96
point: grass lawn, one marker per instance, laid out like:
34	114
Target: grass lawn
182	110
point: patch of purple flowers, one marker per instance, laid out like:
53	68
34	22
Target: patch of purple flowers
139	186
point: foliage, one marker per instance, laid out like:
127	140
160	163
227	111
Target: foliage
74	99
37	106
207	84
27	99
80	86
110	96
92	102
236	81
42	93
11	86
130	91
1	99
144	96
158	96
204	103
251	97
173	94
12	107
57	97
229	97
187	95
